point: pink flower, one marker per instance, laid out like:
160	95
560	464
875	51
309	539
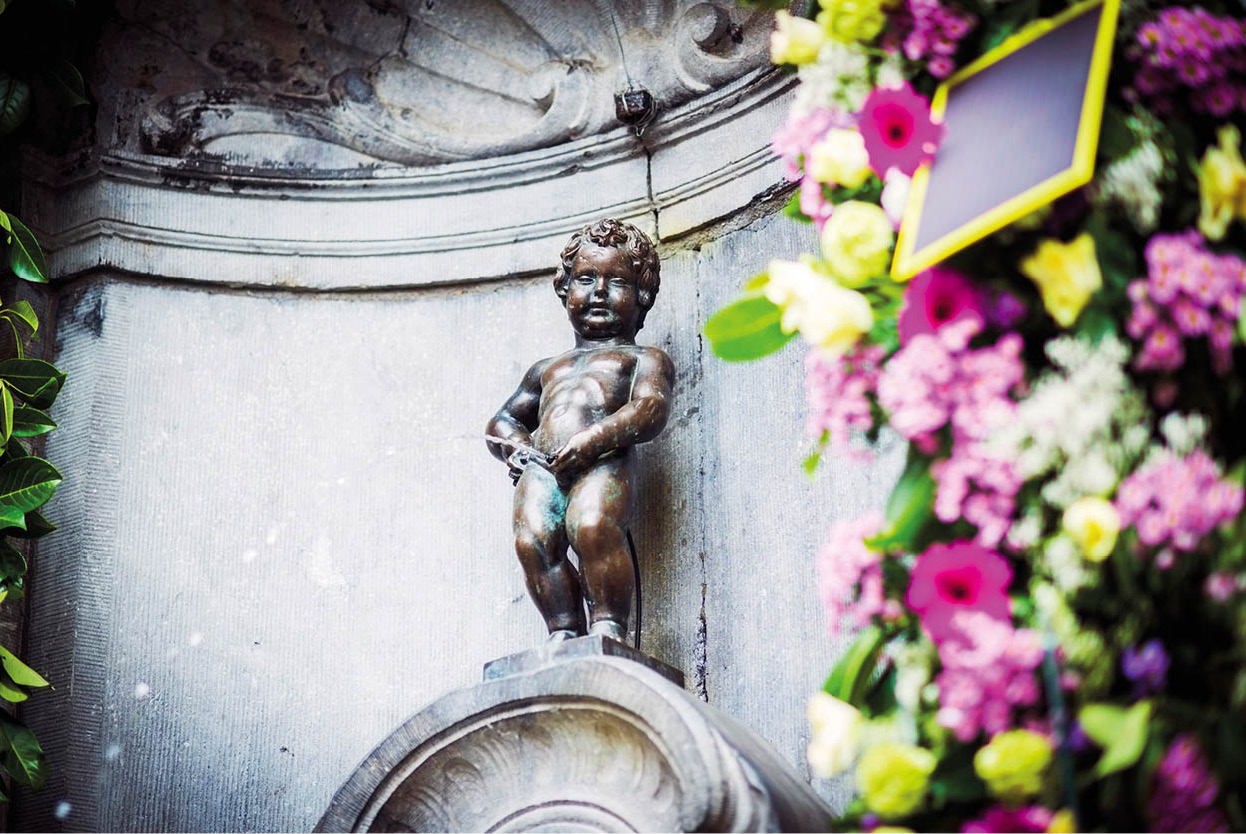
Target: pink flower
1177	502
934	298
958	577
837	393
844	563
793	141
898	131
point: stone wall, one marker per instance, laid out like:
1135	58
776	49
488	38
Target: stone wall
281	533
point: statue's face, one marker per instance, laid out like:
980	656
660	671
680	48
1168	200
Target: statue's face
602	299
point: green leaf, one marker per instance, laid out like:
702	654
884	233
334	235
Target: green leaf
1115	137
22	311
66	81
746	329
31	422
27	484
851	675
1241	322
810	464
15	449
869	191
12	562
34	380
1118	261
1122	733
957	785
6	413
1014	16
35	526
12	517
792	209
25	257
757	283
14	103
9	690
23	757
910	507
11	693
20	672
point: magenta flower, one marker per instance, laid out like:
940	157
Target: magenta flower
1033	818
898	130
935	298
958	577
1184	791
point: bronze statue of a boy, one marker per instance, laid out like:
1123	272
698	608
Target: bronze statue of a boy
567	433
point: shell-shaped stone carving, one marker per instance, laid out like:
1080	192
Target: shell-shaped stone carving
584	743
415	83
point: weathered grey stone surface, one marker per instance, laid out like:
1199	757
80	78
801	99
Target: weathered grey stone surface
281	532
583	736
327	84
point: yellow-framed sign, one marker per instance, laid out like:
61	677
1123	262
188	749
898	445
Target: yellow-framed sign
1022	128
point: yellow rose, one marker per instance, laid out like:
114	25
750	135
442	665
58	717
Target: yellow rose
826	314
856	242
1067	275
852	20
1092	523
1221	185
840	159
893	778
836	729
1063	821
1013	764
795	40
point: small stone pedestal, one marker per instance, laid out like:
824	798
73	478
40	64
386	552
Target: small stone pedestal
586	735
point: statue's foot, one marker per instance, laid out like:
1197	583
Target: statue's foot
609	628
562	635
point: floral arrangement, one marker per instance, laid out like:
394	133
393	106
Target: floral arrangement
1050	615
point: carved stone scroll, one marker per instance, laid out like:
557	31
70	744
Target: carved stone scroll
585	735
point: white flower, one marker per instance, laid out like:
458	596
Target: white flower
827	315
914	663
836	739
840	159
1065	563
839	78
895	196
1131	183
1183	432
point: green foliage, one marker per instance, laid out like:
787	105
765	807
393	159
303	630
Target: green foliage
1121	732
28	387
849	679
25	257
743	330
14	103
22	757
792	209
910	507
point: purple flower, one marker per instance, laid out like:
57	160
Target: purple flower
1146	667
1184	790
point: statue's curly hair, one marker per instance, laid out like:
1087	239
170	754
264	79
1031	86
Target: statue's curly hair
617	234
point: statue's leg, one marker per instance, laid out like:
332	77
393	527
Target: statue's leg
541	544
597	511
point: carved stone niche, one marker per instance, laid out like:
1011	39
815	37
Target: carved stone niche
336	84
584	736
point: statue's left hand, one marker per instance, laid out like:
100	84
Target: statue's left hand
577	455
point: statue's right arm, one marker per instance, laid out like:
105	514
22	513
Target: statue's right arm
517	418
